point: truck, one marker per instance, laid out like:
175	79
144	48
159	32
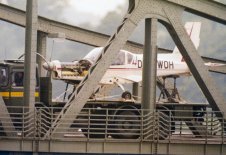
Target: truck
123	116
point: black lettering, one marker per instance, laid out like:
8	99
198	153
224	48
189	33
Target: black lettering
160	63
171	65
139	64
166	65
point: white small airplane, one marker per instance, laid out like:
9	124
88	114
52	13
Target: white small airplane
127	67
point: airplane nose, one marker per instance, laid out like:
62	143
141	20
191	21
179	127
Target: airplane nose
48	66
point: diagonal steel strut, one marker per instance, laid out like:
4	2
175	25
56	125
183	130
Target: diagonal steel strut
194	60
96	72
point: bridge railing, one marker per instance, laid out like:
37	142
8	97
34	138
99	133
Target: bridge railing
113	124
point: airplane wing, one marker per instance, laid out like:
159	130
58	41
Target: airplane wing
133	78
121	80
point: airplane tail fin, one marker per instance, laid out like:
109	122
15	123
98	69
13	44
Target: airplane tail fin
193	30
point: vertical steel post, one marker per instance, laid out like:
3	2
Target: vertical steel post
42	38
149	65
135	90
30	53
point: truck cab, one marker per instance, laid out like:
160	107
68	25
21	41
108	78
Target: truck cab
12	82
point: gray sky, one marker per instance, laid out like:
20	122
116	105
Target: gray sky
90	10
73	11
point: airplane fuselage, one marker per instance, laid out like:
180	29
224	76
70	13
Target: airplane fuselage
166	65
127	66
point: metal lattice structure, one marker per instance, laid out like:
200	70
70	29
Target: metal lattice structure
156	127
168	13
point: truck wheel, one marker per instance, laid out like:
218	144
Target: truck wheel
126	125
127	95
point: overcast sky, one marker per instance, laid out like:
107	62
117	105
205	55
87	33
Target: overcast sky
91	10
73	11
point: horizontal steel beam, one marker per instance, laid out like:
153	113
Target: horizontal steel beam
82	146
205	8
217	69
213	60
74	33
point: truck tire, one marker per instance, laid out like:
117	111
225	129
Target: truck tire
126	125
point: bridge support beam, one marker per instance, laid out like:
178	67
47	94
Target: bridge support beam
30	53
149	64
42	38
137	91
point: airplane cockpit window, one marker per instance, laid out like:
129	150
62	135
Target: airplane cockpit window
3	76
120	59
93	55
